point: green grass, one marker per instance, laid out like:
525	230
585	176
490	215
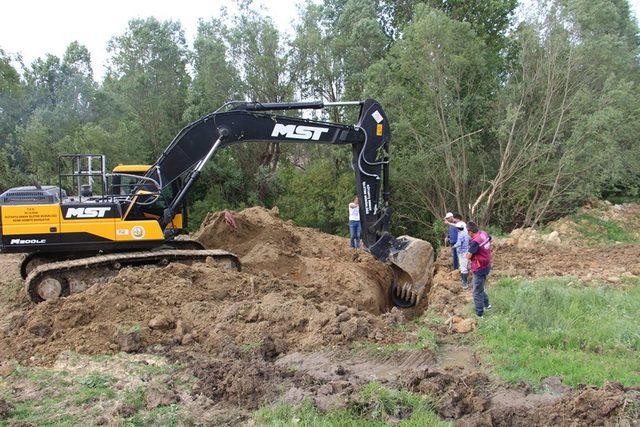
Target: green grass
425	339
375	405
67	397
620	199
495	231
547	328
133	328
601	230
56	392
170	415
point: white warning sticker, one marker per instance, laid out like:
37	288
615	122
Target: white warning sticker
377	116
122	232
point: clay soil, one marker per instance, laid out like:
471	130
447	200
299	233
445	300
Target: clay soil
284	327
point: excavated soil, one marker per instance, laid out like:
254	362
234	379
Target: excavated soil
601	263
300	288
473	399
283	327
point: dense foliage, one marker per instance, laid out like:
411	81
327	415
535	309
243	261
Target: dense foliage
510	116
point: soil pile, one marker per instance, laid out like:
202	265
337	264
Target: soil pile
610	264
585	245
472	399
447	296
299	289
597	222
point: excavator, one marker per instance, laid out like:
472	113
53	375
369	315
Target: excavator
95	222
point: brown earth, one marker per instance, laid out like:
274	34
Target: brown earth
283	327
308	290
565	251
472	398
601	263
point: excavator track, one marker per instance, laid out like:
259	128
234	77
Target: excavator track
35	259
63	278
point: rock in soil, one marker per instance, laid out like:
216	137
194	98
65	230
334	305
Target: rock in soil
129	342
162	322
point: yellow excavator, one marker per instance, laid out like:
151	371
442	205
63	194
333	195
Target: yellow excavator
94	222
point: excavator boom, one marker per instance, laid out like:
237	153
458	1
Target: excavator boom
239	122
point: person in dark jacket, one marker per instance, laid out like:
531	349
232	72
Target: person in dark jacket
452	237
480	256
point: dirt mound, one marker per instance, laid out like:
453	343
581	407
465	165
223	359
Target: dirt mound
301	288
5	408
595	223
264	242
471	398
610	264
248	383
447	296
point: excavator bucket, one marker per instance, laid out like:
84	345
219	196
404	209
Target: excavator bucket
412	262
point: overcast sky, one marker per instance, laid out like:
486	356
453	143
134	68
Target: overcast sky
33	28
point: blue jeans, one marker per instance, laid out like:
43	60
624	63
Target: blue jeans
354	232
454	253
480	297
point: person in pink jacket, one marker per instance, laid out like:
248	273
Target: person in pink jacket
480	256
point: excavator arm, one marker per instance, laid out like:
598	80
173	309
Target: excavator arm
239	122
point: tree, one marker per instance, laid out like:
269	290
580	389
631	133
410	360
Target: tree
334	45
148	78
263	63
12	99
216	79
432	83
60	94
317	197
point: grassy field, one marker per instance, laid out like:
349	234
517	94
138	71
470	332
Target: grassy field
375	405
92	395
547	328
598	230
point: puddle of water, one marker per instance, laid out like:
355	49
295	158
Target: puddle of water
453	355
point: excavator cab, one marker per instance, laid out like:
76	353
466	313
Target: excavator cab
125	180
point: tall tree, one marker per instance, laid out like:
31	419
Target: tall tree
147	74
13	112
263	62
432	83
216	79
60	94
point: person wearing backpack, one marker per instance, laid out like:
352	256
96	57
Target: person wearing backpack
480	256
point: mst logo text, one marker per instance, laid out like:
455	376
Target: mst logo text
94	212
298	132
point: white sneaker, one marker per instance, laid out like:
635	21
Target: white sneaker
489	307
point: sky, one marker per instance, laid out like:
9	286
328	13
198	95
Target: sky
33	28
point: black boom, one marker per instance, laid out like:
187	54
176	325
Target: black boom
238	122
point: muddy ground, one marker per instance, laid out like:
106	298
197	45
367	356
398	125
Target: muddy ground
288	326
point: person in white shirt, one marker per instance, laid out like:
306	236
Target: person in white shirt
354	223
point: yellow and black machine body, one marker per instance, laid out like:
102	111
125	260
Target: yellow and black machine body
100	221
